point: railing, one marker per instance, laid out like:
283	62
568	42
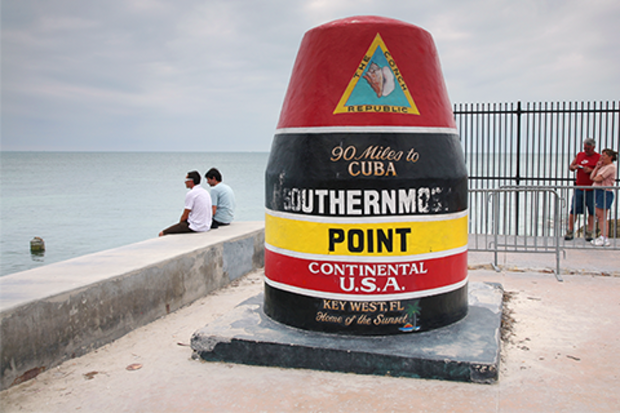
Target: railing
530	146
496	225
531	143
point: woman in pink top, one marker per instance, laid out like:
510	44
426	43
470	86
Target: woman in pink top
604	174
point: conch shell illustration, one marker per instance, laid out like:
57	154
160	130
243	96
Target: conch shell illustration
381	80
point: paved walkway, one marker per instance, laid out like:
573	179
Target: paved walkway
584	259
562	354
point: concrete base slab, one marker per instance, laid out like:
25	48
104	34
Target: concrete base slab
467	350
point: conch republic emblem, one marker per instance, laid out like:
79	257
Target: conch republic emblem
366	186
386	89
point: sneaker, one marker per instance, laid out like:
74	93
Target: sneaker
569	235
601	242
589	236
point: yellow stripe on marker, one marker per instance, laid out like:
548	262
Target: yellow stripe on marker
366	239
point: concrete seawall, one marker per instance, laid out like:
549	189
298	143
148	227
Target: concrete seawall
64	310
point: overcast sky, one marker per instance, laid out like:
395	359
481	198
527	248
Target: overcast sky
210	75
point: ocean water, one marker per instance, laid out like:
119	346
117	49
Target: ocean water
81	202
85	202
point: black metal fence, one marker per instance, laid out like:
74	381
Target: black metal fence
531	143
517	158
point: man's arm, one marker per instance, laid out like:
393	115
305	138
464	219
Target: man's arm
573	164
185	215
214	209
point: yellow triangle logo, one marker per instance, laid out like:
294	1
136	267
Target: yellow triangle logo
377	86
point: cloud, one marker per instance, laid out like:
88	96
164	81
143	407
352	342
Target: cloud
211	75
531	50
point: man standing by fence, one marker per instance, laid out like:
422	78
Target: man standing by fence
583	163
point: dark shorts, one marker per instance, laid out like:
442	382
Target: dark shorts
604	198
579	200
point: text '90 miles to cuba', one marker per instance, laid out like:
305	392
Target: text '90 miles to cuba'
374	160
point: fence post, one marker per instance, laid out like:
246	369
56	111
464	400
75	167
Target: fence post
558	234
518	173
496	228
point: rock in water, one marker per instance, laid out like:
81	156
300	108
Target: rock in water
37	245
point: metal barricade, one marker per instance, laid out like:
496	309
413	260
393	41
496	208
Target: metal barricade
494	225
533	219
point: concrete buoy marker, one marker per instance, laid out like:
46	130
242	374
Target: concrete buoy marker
365	221
366	186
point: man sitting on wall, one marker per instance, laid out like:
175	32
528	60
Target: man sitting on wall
197	214
223	199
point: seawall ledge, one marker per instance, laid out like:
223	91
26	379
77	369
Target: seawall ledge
66	309
46	281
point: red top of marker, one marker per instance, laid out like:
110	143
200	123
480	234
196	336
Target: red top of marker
367	71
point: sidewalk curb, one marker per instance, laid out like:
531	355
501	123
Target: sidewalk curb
474	267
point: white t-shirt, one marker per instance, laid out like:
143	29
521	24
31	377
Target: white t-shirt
198	201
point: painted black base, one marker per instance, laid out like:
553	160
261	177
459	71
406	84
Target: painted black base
306	161
467	350
365	318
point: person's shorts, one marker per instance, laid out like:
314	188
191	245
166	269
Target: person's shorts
576	207
604	198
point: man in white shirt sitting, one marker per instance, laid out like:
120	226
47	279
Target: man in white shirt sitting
197	214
